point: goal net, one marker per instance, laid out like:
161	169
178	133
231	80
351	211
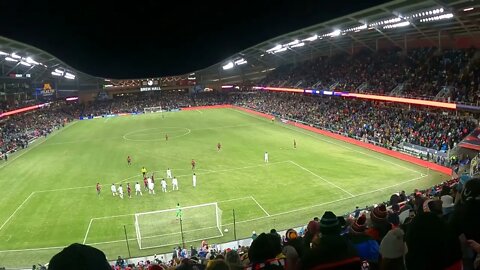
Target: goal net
163	228
152	109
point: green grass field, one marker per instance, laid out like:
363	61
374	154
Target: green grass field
48	198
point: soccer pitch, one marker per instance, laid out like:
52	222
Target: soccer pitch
48	198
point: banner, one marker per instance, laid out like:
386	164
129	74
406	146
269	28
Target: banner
47	90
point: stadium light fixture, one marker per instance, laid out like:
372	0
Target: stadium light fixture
301	44
16	56
468	9
54	73
25	64
229	65
277	47
397	25
59	71
296	41
11	59
31	61
240	61
312	38
280	50
437	18
3	53
69	76
335	33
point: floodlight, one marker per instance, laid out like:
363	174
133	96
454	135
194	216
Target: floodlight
229	65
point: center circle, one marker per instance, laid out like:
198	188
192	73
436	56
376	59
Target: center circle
156	134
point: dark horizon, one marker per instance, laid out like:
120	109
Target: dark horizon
149	39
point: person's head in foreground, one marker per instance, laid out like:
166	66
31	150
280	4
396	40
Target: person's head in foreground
79	257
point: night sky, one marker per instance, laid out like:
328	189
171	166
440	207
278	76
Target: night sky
138	39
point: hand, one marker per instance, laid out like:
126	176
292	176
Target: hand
474	245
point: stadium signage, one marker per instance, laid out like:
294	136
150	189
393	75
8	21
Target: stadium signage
154	88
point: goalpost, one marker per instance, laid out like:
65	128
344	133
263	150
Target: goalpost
162	228
152	109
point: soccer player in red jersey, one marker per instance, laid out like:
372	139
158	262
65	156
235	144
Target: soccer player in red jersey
99	188
129	190
193	164
129	160
219	146
145	183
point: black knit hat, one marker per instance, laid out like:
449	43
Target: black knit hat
329	223
78	256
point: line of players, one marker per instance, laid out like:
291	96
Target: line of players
149	184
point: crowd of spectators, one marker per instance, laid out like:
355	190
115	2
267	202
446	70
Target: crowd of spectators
422	72
436	228
137	102
385	124
17	131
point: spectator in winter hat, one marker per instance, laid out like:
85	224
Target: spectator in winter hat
264	247
367	248
431	244
447	206
79	257
331	248
465	219
380	225
292	248
313	228
392	250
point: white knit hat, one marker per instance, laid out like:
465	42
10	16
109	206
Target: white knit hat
392	245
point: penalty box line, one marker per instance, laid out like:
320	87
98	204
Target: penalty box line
148	237
248	220
281	213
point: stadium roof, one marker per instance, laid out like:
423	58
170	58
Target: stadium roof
394	22
19	60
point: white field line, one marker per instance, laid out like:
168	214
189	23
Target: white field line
200	111
88	230
319	137
321	178
243	221
207	172
34	146
263	209
31	249
16	210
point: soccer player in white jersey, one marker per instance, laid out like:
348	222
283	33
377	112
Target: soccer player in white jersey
266	157
138	189
151	188
174	183
194	180
169	173
114	190
120	191
149	180
164	185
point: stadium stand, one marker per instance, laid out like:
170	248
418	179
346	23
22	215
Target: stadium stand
369	238
420	73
